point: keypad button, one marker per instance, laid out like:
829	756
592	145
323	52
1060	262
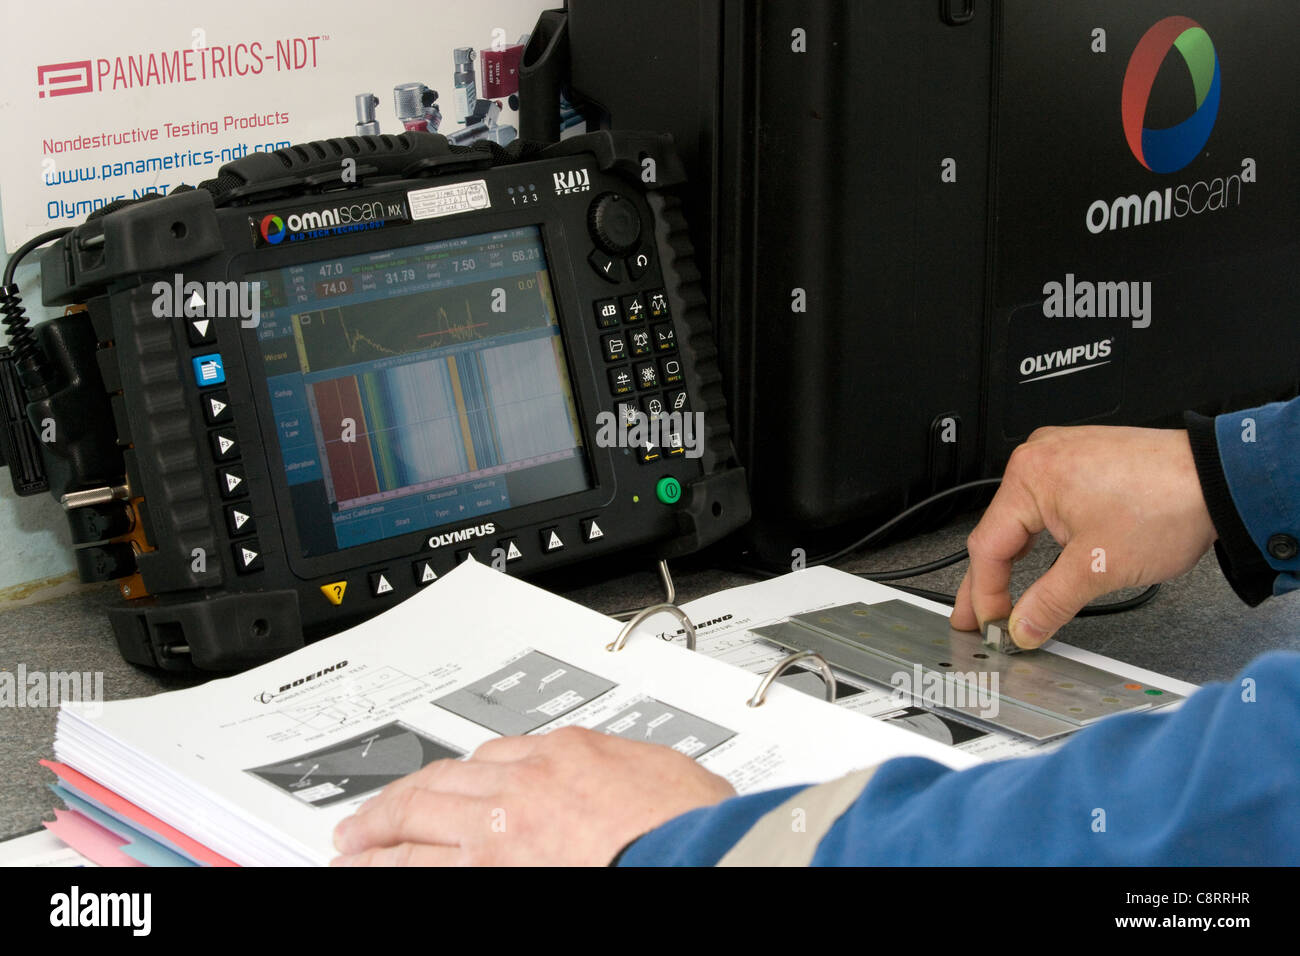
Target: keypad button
621	381
653	405
658	304
634	307
231	482
239	520
334	591
510	550
208	370
638	263
216	407
672	371
424	572
628	414
677	401
551	540
607	313
614	347
606	266
380	585
225	446
248	556
647	376
200	331
648	452
591	530
665	338
640	342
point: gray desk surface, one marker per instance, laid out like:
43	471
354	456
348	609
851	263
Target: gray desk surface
1195	629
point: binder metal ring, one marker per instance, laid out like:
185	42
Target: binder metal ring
647	613
783	665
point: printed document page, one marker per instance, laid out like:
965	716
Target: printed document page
261	766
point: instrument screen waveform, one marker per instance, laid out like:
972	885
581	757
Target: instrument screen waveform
350	334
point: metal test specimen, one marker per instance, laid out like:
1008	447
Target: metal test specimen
1035	694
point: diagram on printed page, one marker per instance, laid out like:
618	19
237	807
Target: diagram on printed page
380	689
356	766
655	722
529	692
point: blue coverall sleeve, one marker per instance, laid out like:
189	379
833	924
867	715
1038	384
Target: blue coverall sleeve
1259	451
1216	781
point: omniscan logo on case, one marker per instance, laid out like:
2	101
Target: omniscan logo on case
573	181
1169	150
64	79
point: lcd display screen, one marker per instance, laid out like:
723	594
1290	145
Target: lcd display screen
418	387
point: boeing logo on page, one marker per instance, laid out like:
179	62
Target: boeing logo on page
64	79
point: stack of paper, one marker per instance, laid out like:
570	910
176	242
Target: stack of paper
258	768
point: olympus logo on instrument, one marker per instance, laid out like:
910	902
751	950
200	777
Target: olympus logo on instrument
464	534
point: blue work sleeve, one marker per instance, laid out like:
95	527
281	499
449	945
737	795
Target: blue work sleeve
1215	782
1248	463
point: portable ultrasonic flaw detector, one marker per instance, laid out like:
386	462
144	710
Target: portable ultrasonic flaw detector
287	399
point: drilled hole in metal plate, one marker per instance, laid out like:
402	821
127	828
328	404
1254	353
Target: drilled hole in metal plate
179	230
945	664
982	657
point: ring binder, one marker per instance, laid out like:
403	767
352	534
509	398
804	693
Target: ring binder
670	591
783	665
645	614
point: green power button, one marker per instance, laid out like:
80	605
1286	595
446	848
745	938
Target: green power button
669	490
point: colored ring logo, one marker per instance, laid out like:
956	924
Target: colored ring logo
1169	150
273	229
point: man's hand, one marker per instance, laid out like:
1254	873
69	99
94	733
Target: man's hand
570	797
1124	503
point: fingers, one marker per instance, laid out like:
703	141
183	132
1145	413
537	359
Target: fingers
508	749
470	778
412	815
405	854
1005	534
963	612
1055	598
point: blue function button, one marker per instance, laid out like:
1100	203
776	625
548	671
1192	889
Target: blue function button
209	370
668	490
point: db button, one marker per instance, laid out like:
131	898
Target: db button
669	490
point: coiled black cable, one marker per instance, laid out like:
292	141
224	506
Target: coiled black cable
27	354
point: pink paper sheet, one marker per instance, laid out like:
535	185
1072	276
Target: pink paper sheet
97	844
146	821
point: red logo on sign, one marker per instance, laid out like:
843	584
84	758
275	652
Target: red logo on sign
63	79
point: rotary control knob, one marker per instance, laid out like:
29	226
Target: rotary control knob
614	223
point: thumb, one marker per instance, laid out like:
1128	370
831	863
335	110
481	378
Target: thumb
1055	598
